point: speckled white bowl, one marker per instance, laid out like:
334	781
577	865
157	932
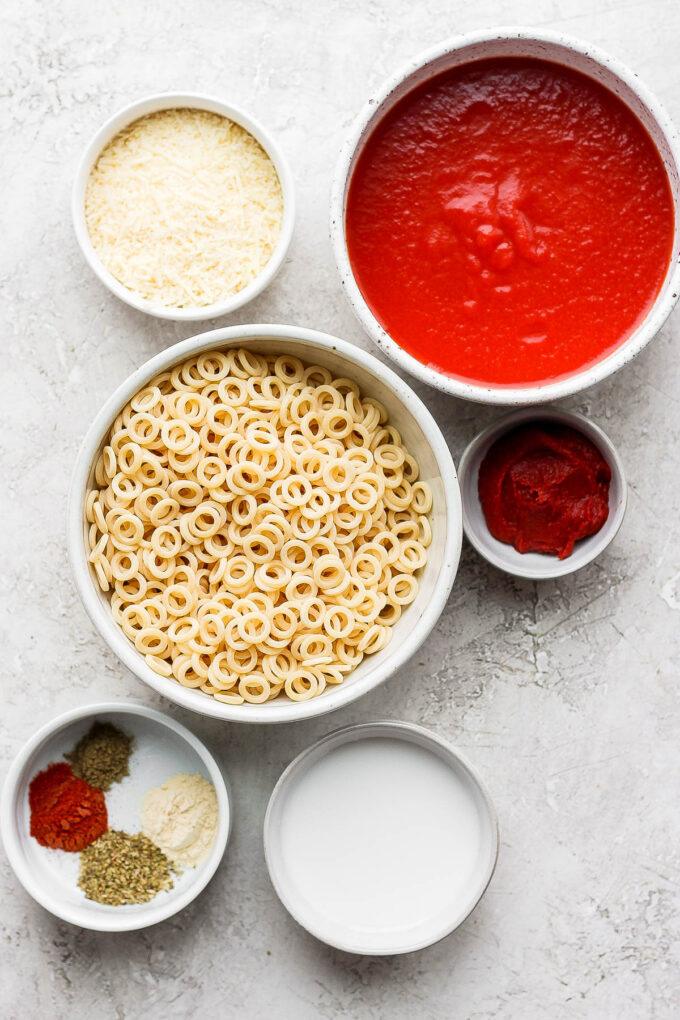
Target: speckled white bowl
167	101
538	566
421	435
526	42
161	749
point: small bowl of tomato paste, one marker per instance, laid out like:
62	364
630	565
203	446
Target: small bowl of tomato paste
505	216
543	492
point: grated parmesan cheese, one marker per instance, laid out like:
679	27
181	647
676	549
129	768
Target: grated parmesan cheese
184	207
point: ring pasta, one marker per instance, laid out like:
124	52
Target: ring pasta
258	525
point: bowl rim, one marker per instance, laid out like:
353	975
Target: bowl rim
610	528
153	103
343	694
151	913
399	730
478	392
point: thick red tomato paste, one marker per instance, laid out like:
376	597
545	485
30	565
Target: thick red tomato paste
543	487
509	222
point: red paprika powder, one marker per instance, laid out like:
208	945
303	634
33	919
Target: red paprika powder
66	812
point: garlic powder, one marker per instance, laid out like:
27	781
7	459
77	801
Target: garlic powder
180	817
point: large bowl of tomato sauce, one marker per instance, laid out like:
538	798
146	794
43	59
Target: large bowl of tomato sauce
505	216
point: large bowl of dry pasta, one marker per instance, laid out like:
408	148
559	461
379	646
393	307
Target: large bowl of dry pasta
264	523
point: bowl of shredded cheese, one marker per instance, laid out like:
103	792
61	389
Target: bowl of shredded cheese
183	206
264	523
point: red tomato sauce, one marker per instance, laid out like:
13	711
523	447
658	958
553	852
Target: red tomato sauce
543	487
509	222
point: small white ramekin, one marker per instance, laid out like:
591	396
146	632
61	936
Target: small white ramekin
421	435
525	42
162	747
166	101
538	566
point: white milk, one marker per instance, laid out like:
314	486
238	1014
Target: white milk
381	835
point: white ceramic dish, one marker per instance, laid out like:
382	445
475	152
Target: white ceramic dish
165	101
538	566
380	838
421	435
162	748
511	42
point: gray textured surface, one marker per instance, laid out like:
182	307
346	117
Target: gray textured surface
563	694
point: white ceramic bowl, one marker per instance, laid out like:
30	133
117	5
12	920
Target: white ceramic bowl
166	101
538	566
525	42
422	437
380	838
162	748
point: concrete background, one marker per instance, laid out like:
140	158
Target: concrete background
563	694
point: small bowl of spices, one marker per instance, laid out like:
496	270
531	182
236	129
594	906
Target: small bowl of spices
114	816
543	492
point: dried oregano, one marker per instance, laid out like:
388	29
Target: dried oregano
119	869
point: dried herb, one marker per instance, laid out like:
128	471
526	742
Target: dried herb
119	869
101	757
